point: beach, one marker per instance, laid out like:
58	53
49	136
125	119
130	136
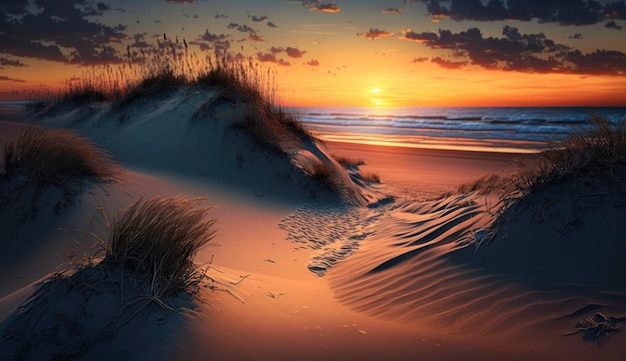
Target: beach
398	272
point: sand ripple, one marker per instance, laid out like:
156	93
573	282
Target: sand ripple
333	232
420	265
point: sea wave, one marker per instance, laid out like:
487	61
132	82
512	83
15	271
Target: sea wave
536	125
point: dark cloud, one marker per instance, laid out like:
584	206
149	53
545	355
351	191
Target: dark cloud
448	64
275	50
374	34
242	28
316	5
600	62
103	7
43	31
221	16
184	2
271	24
577	36
563	12
531	53
612	25
271	58
419	60
11	62
139	41
258	19
392	11
294	52
210	37
312	62
615	10
201	44
6	78
256	37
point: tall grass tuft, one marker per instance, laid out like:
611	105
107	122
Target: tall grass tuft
56	157
323	173
348	162
158	240
596	153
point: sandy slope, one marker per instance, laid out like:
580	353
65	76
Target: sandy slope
295	277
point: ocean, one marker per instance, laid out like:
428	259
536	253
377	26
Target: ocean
520	130
491	129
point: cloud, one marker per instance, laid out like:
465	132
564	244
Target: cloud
571	12
392	11
201	44
221	16
419	60
271	24
11	62
42	31
275	50
374	34
425	37
612	25
530	53
577	36
316	5
258	19
139	41
242	28
183	2
448	64
210	37
294	52
255	37
312	62
6	78
615	10
271	58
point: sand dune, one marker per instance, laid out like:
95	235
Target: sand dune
302	270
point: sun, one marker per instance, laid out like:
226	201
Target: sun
375	99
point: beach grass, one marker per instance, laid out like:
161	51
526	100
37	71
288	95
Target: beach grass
158	239
348	162
598	152
323	173
56	157
59	159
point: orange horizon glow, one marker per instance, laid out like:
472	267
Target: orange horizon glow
460	88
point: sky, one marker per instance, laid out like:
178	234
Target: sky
359	53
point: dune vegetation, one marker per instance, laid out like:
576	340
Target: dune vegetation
59	158
596	153
157	239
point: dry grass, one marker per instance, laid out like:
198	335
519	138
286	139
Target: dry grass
158	239
347	162
57	160
371	177
56	157
599	152
323	173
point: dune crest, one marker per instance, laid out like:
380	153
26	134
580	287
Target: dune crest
211	132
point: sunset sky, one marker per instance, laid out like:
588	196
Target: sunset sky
345	53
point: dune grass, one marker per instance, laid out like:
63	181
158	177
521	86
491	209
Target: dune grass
596	153
56	157
170	66
348	162
158	239
323	173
